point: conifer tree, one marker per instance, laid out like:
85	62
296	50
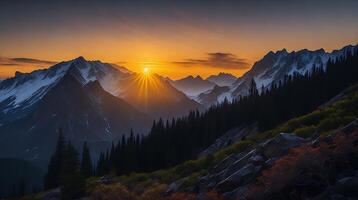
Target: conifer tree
72	181
52	178
86	164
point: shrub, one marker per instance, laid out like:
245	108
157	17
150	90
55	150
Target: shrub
329	124
305	131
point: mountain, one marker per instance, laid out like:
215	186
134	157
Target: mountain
154	95
274	66
70	96
192	86
222	79
19	94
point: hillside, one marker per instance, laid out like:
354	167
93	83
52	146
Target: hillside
205	174
239	169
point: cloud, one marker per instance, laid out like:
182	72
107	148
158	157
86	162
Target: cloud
5	61
217	60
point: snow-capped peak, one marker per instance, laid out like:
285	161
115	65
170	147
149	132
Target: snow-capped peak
274	66
25	89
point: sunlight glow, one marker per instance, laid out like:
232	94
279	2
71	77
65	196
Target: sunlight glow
148	84
146	69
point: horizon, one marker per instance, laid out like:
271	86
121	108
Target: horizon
27	66
174	39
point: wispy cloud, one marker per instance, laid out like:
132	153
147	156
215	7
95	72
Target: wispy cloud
5	61
217	60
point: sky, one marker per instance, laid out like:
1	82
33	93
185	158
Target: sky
173	38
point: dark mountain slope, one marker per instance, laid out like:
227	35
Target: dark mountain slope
83	113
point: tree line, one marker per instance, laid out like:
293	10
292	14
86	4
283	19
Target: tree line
173	141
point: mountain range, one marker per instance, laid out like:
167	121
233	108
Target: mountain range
272	68
99	102
88	100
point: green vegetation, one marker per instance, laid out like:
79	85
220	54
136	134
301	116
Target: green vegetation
323	121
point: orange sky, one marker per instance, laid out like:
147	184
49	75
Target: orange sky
164	35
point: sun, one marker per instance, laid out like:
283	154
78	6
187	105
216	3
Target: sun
146	70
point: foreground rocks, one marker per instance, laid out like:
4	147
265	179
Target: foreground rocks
233	174
230	176
229	137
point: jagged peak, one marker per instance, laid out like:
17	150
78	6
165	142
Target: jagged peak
80	58
199	77
223	73
18	73
284	50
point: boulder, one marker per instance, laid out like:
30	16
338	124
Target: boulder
239	163
256	159
173	187
280	144
240	177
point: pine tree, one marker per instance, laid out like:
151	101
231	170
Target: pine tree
52	178
100	171
72	181
86	164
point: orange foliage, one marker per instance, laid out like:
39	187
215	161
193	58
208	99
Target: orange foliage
305	158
